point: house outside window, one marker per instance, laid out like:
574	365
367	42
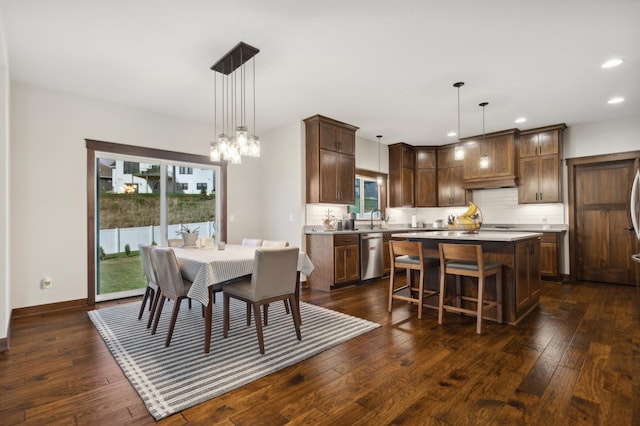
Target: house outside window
185	170
183	186
131	168
367	197
201	185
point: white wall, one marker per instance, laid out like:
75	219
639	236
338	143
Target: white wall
281	185
367	155
5	166
48	200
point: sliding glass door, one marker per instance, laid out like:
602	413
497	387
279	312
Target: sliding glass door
145	201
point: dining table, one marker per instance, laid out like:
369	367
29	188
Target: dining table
211	268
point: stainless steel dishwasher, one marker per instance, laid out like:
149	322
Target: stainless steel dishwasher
371	255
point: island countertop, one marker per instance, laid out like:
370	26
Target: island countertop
461	235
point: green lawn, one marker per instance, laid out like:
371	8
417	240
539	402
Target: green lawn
121	273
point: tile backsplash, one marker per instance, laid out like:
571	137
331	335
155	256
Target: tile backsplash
498	206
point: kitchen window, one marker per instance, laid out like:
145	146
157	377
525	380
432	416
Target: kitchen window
367	197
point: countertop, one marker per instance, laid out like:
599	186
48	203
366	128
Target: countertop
395	228
460	235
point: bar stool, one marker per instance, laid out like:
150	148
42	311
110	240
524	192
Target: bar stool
467	260
408	255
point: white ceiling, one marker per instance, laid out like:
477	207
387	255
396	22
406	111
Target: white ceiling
385	66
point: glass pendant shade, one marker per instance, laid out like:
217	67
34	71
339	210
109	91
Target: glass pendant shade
484	162
230	104
380	181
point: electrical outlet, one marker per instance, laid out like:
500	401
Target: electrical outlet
47	282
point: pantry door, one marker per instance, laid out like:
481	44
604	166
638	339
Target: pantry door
601	243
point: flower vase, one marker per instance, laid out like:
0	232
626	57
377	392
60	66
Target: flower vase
190	239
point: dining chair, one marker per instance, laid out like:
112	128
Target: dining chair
152	292
251	242
175	242
273	278
409	255
172	285
272	243
468	260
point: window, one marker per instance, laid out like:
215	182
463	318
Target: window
185	170
201	185
182	186
367	197
131	168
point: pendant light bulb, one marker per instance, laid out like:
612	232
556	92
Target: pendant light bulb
484	159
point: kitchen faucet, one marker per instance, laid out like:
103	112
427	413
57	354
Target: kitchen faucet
372	212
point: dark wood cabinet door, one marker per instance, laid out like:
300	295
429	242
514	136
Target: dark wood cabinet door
548	142
549	179
446	157
501	154
459	194
347	141
346	179
329	164
603	247
548	258
426	188
529	177
445	191
328	136
425	158
407	188
528	145
347	264
527	274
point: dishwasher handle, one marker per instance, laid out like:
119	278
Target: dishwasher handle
371	237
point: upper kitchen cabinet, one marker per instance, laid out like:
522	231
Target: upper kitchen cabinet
330	160
499	170
540	152
426	191
401	175
450	178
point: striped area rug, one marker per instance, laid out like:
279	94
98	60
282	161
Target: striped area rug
171	379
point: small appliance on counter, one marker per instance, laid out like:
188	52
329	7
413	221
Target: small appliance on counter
350	224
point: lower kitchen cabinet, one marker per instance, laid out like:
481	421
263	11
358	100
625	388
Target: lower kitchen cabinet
346	252
335	257
550	255
527	274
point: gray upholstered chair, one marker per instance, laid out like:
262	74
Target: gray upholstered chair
409	255
272	243
172	285
152	292
274	278
251	242
468	260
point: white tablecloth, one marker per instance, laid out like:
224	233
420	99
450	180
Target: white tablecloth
211	267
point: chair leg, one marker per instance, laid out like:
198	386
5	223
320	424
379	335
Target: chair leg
256	314
189	303
158	312
391	286
499	295
480	304
441	295
174	317
286	307
265	312
225	321
420	293
154	307
248	314
144	301
296	319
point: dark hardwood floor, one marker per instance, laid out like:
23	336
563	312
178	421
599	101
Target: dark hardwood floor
575	360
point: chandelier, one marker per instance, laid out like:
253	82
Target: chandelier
232	139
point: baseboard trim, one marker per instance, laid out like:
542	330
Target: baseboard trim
49	308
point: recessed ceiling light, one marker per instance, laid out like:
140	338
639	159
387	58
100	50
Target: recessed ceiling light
616	100
451	134
612	63
520	120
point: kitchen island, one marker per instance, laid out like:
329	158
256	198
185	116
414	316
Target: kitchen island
518	252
